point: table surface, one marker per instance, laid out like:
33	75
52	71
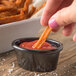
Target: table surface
66	63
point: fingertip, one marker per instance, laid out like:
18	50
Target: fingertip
43	22
67	30
74	37
65	33
53	24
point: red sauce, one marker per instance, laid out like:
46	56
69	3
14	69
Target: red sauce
45	46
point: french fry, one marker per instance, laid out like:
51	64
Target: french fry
43	37
15	10
32	11
14	18
26	5
12	0
20	3
0	1
5	14
39	8
8	3
5	8
10	13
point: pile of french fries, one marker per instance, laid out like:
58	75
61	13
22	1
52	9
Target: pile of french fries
16	10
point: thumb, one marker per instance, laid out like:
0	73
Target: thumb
63	17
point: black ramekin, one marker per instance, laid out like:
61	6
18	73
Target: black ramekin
37	60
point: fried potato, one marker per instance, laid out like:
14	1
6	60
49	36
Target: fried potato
8	3
14	18
20	3
32	11
5	14
12	0
26	5
39	8
16	10
12	12
6	8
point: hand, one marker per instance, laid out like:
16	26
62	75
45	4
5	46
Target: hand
60	13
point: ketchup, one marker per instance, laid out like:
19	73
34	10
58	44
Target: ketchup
45	46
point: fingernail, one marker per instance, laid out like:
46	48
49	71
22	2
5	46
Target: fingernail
53	24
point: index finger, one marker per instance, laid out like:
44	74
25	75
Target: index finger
50	8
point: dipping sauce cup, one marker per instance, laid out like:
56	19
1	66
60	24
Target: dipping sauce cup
37	60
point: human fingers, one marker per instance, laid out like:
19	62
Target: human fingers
50	8
63	17
67	30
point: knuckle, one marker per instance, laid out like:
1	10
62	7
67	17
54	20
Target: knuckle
47	12
63	18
